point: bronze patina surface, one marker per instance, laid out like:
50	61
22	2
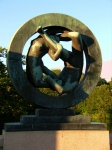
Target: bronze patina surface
19	78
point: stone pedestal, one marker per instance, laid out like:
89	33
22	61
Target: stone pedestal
55	130
57	140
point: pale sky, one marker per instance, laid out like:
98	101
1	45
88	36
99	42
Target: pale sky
95	14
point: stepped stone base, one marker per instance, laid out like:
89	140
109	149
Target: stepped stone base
57	140
55	129
54	119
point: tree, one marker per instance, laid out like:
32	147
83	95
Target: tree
3	69
102	81
3	52
98	105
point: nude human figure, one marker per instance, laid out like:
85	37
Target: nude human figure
73	60
34	64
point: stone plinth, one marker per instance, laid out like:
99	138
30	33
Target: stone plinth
1	142
55	130
57	140
54	119
111	141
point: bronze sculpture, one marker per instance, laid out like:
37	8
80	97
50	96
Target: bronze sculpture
91	50
73	61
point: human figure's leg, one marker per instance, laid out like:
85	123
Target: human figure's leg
49	72
69	87
56	86
37	74
61	89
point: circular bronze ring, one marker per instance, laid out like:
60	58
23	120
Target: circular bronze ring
18	76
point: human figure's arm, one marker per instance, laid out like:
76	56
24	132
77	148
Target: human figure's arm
54	47
55	55
65	39
76	39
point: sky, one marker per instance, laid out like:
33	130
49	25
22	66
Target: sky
95	14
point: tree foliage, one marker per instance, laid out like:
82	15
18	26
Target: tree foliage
98	105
